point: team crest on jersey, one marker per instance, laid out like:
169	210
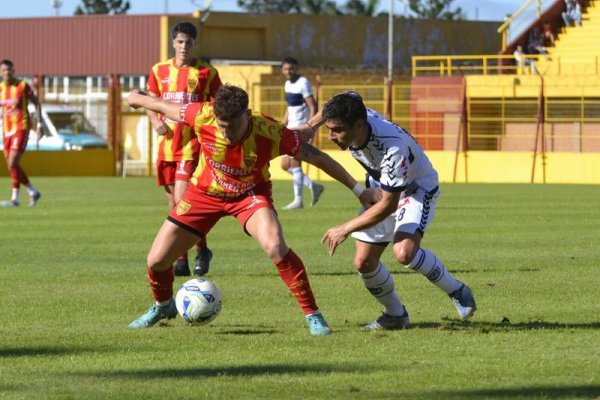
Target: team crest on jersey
192	82
250	159
183	207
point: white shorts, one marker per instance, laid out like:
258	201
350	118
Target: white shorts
414	214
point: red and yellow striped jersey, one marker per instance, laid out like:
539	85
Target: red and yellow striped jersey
198	82
13	101
229	171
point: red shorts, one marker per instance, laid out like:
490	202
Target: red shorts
167	172
198	212
16	142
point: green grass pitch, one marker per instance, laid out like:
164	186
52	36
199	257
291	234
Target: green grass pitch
72	278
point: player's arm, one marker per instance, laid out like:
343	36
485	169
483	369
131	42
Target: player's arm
324	162
215	84
38	110
373	215
138	98
312	105
284	121
158	124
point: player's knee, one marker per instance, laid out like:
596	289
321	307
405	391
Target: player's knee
404	253
275	250
156	263
364	265
285	163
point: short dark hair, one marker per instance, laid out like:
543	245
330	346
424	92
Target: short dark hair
184	27
7	62
348	107
230	102
290	60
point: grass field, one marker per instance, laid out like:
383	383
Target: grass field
72	278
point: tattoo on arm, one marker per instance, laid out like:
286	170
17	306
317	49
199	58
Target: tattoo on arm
309	153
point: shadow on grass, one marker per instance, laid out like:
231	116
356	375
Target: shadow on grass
243	332
545	392
488	327
42	351
233	371
399	271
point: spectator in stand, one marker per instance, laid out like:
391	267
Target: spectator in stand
535	42
547	34
572	13
522	60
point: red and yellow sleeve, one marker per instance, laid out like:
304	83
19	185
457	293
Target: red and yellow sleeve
152	85
215	84
290	142
195	114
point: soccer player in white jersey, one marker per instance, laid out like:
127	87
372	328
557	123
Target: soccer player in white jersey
397	165
301	106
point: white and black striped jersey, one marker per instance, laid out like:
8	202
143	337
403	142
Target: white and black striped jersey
393	159
295	93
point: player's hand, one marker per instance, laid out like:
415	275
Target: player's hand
162	129
133	98
370	196
334	237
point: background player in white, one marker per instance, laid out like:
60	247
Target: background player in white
409	191
301	106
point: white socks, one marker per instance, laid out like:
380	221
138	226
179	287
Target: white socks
426	263
299	179
31	189
380	284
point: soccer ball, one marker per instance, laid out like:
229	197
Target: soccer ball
198	301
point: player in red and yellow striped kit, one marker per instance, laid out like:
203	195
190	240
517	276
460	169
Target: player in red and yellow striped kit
232	178
182	79
15	95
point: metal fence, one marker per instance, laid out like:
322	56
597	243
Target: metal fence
441	117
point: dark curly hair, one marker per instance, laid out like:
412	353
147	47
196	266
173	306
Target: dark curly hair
230	102
347	107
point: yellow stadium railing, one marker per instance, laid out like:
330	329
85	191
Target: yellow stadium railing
432	113
504	64
440	116
519	21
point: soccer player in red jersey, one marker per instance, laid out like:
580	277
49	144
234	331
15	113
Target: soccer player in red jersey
15	95
182	79
233	178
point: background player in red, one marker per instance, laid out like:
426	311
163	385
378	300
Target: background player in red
15	95
182	79
232	178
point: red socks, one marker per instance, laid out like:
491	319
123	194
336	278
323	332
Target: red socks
161	283
18	176
292	272
201	243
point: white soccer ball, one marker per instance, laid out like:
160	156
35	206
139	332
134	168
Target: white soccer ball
198	301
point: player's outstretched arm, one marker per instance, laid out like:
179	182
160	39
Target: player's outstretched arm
137	99
324	162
